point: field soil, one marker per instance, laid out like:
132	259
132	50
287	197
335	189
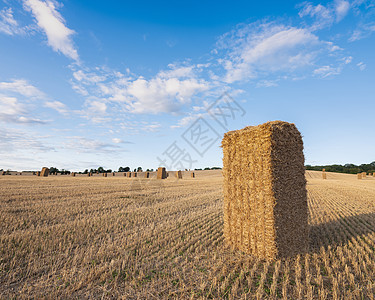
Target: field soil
137	238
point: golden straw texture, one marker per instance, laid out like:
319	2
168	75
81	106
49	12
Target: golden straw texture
161	174
265	198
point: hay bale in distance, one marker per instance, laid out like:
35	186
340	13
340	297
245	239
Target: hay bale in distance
147	174
192	175
73	174
129	174
113	174
45	172
179	175
104	174
88	174
265	198
2	173
364	174
324	175
161	174
359	176
38	173
134	174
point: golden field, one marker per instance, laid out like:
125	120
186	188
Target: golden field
136	238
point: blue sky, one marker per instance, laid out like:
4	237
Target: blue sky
144	83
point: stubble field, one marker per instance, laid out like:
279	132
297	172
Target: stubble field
136	238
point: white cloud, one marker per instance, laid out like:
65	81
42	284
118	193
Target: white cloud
361	66
49	20
166	92
8	24
326	71
58	106
325	16
11	110
260	49
87	145
117	140
341	9
22	87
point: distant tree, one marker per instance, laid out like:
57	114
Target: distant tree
135	170
121	169
86	171
139	169
53	170
207	168
126	169
101	170
152	170
109	171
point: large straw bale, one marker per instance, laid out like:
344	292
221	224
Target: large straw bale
161	174
179	175
359	176
45	172
364	174
147	174
265	198
192	175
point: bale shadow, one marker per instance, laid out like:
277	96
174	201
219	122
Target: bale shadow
339	232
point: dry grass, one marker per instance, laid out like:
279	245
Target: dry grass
94	237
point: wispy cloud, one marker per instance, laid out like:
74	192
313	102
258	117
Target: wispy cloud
266	51
58	106
22	87
87	145
50	21
8	24
166	92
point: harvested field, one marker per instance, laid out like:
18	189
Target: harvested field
95	237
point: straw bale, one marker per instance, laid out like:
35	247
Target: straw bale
45	172
113	174
373	174
364	174
2	173
38	173
161	174
324	170
129	174
73	174
179	175
147	174
359	176
104	174
134	174
324	175
265	198
192	175
88	174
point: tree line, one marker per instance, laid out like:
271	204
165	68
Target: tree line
347	168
